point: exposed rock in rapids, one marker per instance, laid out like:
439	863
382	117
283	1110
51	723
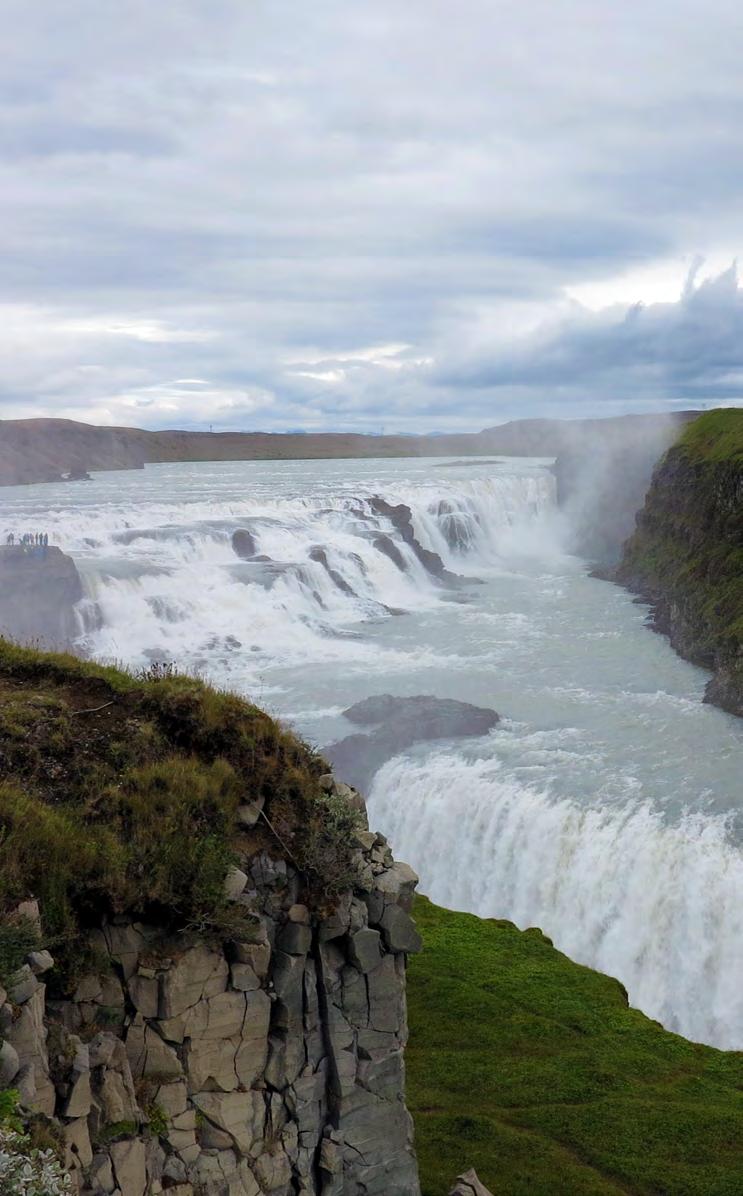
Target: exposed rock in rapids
401	518
320	555
38	591
396	724
243	543
387	546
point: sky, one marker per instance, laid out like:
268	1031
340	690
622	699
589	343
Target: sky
369	214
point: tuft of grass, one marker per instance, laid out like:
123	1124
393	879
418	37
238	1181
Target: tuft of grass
119	795
44	1134
9	1117
157	1120
18	936
114	1131
536	1072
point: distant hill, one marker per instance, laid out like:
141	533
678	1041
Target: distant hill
45	450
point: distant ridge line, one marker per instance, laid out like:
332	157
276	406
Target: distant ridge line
45	450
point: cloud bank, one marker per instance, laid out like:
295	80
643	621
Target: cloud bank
279	215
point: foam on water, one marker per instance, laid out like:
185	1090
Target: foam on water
289	605
615	885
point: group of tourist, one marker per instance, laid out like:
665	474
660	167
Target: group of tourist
28	540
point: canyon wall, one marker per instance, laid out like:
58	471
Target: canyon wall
686	554
269	1065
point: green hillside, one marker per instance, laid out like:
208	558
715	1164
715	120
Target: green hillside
715	436
535	1071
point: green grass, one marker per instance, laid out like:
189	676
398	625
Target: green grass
715	436
17	938
535	1071
119	794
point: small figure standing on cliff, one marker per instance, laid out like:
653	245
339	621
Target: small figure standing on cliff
11	539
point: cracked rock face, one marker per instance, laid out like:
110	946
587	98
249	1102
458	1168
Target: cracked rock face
270	1067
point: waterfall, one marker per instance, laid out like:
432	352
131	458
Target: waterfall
166	581
600	810
657	903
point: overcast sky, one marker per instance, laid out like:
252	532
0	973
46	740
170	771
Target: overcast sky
401	214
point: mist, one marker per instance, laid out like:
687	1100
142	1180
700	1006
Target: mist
602	478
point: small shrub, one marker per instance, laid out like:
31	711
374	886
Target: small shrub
159	670
322	842
45	1135
17	937
9	1110
117	1129
157	1120
27	1171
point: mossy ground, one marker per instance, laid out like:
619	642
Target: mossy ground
119	794
536	1072
715	436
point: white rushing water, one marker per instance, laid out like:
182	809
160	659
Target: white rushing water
606	806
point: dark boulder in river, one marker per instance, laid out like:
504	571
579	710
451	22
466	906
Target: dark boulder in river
395	724
434	718
243	543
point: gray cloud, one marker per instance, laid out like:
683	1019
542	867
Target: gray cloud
361	215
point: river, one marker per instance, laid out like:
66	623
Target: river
605	808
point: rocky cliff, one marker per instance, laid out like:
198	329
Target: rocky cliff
38	591
269	1064
686	554
203	983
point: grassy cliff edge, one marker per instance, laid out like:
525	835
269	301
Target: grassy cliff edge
121	793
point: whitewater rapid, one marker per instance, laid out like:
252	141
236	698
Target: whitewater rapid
606	806
658	905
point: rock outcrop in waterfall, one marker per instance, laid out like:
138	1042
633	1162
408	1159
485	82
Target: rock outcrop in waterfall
39	588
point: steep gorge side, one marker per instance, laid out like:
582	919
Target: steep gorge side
686	554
